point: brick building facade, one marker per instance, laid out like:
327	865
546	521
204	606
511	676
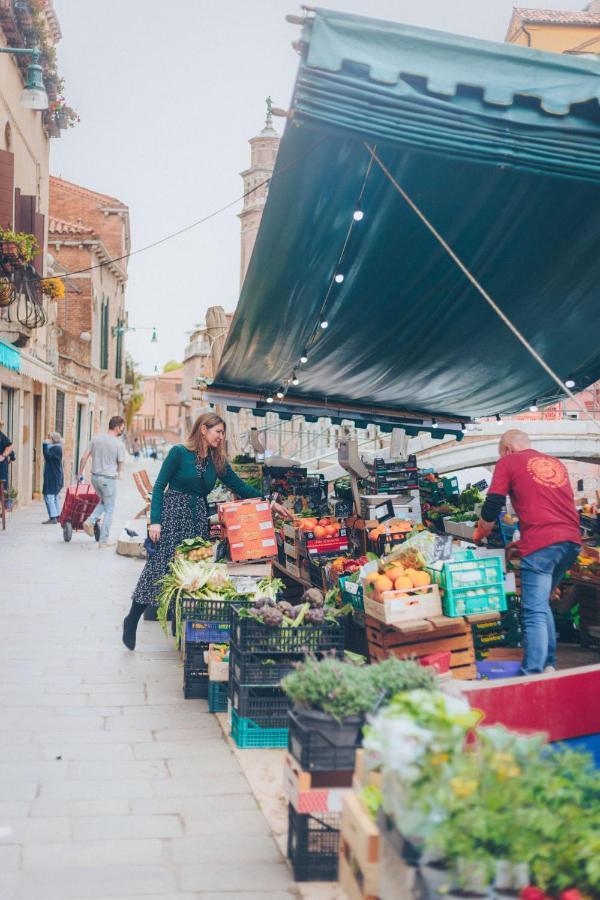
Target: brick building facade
87	236
158	421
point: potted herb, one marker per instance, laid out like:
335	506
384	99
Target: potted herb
5	292
333	697
18	247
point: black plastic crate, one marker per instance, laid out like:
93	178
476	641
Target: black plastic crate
266	706
206	632
195	684
218	611
258	669
251	636
316	752
193	655
313	845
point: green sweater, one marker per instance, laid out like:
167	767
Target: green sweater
179	472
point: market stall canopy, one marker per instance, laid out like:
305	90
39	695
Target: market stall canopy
499	147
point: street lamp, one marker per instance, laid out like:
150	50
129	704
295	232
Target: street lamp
34	95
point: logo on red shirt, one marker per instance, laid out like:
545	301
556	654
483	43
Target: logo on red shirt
547	471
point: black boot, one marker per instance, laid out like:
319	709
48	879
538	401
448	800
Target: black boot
130	623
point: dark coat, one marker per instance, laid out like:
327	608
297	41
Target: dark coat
54	478
4	443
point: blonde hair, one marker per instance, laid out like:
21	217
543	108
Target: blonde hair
199	446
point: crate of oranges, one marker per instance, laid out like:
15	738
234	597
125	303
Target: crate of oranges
319	536
394	593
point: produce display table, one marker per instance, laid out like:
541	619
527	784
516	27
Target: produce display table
286	576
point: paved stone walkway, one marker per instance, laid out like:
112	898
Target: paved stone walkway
111	784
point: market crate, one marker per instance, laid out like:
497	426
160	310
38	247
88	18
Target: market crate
195	684
267	706
217	696
352	593
313	845
218	668
436	635
356	638
469	601
378	464
316	752
385	542
206	632
314	792
466	570
402	606
247	734
217	611
195	654
258	669
251	636
359	850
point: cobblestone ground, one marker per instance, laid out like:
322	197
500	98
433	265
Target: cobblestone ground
111	784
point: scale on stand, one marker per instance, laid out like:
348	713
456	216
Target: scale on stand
351	462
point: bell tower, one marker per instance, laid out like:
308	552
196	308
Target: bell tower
263	153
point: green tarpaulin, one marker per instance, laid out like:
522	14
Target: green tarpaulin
499	146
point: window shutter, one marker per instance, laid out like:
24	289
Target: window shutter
28	204
60	413
39	224
7	186
17	218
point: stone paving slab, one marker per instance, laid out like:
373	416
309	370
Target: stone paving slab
112	786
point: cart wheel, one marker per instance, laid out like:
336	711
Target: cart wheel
96	531
67	531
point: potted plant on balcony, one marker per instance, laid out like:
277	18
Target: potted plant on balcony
18	248
54	288
5	292
23	14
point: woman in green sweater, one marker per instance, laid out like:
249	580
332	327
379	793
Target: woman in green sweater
190	471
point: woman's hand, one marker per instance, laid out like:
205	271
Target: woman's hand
280	510
154	533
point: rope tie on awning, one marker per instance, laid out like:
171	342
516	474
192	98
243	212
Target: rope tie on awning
469	275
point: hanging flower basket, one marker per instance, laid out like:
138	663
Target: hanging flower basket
6	297
62	116
10	251
51	85
53	288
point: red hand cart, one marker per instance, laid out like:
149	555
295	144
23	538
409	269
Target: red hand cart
80	502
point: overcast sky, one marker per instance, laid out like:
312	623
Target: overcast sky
169	92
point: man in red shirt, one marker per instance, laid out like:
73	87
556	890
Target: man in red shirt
542	497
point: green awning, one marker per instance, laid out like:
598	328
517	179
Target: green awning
499	146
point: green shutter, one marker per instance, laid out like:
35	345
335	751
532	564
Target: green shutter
104	336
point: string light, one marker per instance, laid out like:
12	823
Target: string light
533	407
295	379
358	214
304	357
569	383
324	323
269	399
434	423
280	394
339	278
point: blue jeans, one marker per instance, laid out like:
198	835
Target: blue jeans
51	501
106	488
540	573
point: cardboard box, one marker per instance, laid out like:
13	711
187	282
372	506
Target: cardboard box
249	529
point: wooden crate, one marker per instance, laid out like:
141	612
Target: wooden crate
359	850
314	792
363	776
422	637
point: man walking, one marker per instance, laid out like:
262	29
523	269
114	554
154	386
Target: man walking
108	457
542	497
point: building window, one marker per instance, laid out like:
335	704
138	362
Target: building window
104	335
59	421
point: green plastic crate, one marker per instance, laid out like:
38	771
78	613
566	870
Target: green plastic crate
465	570
474	601
352	593
217	696
248	734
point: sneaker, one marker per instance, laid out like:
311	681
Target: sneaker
49	521
103	544
550	669
89	529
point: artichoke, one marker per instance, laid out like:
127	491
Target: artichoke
313	596
315	616
272	617
286	608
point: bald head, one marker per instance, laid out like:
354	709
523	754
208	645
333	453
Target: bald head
512	441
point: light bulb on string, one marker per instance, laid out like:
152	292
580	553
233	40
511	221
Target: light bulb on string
339	277
534	407
324	323
280	394
295	379
358	215
269	399
569	383
304	357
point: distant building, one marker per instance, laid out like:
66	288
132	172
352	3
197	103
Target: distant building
263	153
561	31
158	421
88	236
